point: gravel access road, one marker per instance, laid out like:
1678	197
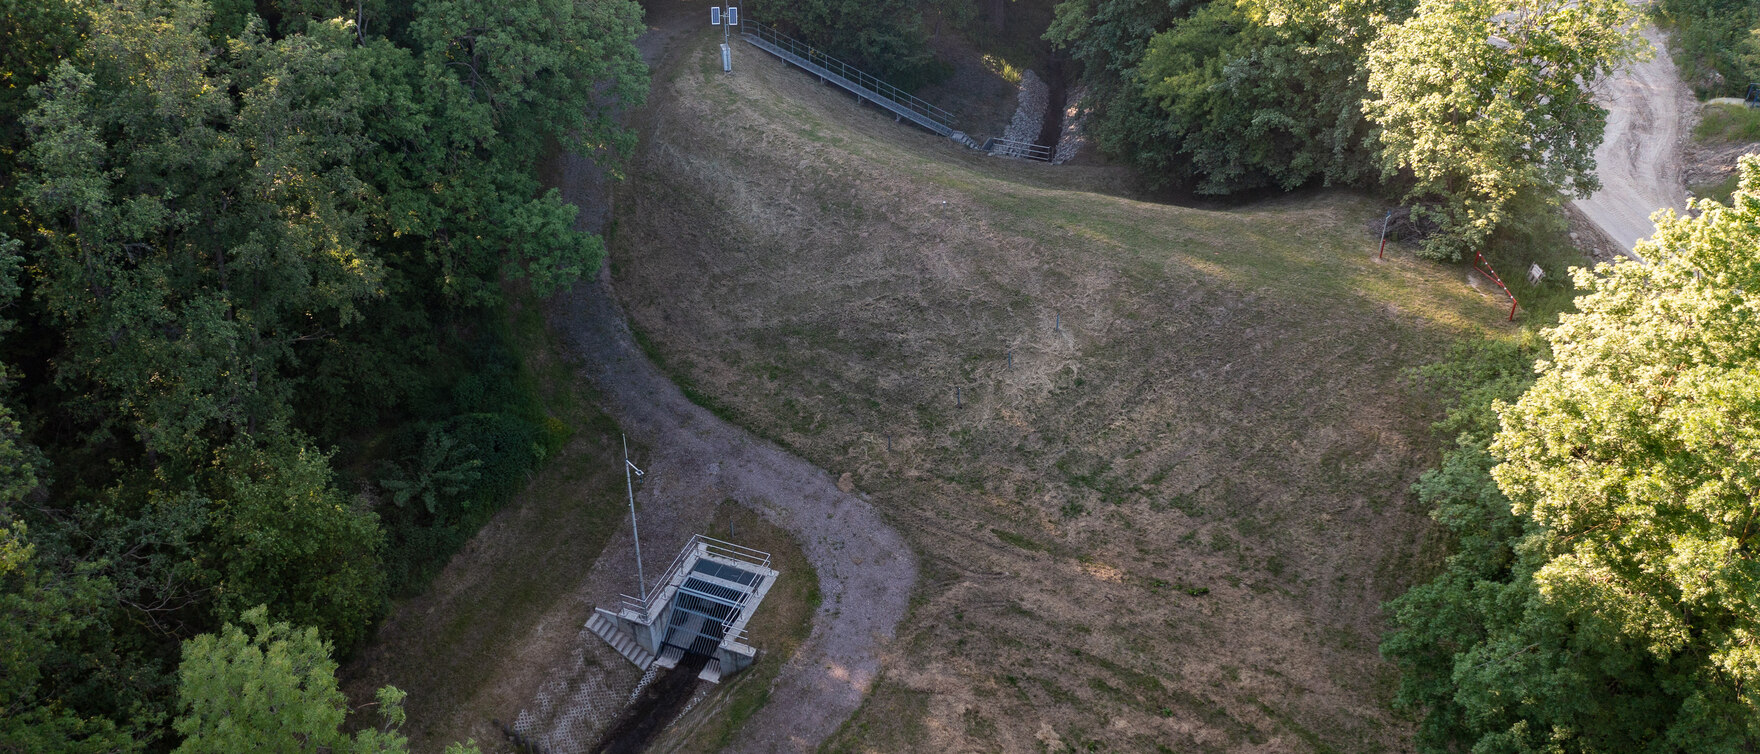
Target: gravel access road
866	571
1648	109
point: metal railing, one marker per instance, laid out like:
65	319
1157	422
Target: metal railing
1012	148
697	543
848	76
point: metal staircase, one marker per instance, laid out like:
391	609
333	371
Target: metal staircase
605	625
900	103
835	71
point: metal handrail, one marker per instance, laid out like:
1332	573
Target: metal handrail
1013	148
855	75
708	545
732	551
640	605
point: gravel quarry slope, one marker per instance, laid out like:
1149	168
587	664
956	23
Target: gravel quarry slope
1639	158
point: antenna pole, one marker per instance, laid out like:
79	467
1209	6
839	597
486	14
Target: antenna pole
635	531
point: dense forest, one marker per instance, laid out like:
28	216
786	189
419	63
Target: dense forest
256	379
886	37
253	266
1468	110
1477	114
1601	590
1715	44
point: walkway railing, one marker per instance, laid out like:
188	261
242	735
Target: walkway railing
849	77
1012	148
700	545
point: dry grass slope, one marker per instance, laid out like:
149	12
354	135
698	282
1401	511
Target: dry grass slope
1168	524
506	613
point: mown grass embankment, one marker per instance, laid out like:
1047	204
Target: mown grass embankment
1155	460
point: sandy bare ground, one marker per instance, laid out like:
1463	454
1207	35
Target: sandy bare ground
1639	158
866	572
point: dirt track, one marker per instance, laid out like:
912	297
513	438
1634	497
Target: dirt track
866	571
1639	157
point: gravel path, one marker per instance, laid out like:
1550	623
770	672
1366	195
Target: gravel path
866	571
1639	157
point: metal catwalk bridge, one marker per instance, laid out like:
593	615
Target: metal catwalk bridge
902	104
835	71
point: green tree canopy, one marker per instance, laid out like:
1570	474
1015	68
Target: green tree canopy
240	240
273	689
290	538
199	219
34	36
1714	43
1637	457
1603	595
1229	95
1480	100
883	37
1265	92
39	611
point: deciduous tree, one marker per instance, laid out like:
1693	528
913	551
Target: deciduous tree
289	538
1479	100
273	689
193	239
886	38
1637	457
1603	594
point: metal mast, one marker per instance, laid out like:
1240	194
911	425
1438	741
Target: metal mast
635	531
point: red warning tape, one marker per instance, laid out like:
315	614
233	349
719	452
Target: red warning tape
1491	274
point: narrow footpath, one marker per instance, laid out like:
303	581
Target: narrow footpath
865	569
1639	164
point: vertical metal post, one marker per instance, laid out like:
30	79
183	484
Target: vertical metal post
1384	221
723	15
635	531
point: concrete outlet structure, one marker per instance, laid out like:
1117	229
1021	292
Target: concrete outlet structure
700	606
